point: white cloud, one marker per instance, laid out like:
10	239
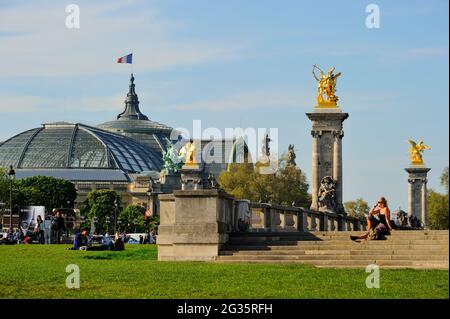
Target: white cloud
246	101
429	51
35	104
39	44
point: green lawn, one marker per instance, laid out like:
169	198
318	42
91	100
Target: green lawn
34	271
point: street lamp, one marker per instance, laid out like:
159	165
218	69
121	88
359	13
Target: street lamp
135	223
149	194
2	210
94	221
12	176
82	220
116	205
107	223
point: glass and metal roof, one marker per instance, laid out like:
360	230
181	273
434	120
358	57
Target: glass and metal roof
77	146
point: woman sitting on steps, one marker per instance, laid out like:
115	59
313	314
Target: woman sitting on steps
378	221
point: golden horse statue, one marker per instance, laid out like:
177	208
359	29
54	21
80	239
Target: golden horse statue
416	151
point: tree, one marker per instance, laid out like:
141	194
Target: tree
45	191
4	186
102	204
288	185
357	208
133	218
438	210
444	179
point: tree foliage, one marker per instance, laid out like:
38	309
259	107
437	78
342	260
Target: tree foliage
132	218
437	210
102	203
44	191
444	179
437	203
4	186
288	185
357	208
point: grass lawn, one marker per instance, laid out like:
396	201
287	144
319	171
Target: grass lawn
38	271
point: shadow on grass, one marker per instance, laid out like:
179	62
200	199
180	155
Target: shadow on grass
134	253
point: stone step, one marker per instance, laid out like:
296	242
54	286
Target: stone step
351	246
288	240
337	241
402	249
348	263
421	265
367	258
338	233
335	252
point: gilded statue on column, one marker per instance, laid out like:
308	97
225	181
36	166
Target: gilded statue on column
326	87
416	151
189	151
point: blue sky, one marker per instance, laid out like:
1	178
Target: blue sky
241	63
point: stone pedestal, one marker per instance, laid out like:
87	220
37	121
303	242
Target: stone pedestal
194	224
191	177
417	192
327	133
170	182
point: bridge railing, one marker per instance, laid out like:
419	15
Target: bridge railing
274	218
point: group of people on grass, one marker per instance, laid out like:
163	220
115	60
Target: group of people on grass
81	242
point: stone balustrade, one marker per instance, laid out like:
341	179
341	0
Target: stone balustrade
274	218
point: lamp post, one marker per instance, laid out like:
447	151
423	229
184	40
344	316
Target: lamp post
135	223
146	217
2	210
119	221
12	176
107	224
82	220
116	206
94	221
149	195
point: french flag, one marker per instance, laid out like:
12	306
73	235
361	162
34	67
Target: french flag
126	59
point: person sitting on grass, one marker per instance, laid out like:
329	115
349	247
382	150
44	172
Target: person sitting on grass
80	241
118	242
378	222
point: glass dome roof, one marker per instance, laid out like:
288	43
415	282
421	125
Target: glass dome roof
72	146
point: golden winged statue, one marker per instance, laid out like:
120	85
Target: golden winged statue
416	151
188	151
326	87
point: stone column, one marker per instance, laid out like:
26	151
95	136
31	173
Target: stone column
327	134
337	167
315	167
417	192
424	214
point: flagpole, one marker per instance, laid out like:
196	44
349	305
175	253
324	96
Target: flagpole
132	54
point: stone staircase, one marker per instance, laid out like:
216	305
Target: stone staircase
425	249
